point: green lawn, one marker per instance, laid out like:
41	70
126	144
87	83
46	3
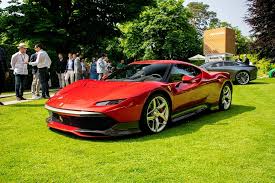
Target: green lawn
232	146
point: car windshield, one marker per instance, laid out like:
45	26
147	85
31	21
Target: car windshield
140	72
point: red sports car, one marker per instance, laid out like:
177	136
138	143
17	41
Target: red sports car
143	97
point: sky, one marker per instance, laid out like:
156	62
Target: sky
231	11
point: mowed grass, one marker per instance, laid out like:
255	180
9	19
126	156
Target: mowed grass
232	146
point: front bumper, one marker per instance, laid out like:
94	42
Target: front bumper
88	124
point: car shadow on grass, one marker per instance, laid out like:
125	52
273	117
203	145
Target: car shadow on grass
257	83
26	105
194	123
187	126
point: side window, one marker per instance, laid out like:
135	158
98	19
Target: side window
218	64
228	64
182	70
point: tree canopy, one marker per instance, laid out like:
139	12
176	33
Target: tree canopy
201	16
161	32
66	24
261	18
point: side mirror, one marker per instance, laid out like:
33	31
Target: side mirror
186	79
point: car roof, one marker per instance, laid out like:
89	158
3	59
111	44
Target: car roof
160	62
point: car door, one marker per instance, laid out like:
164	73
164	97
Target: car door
186	94
229	67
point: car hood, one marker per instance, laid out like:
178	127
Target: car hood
86	93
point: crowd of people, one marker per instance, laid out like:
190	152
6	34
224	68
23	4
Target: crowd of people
68	70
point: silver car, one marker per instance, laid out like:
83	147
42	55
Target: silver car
240	72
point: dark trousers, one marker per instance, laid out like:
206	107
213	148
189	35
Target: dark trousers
44	78
19	85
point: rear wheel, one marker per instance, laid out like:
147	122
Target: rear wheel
273	74
155	115
225	97
242	77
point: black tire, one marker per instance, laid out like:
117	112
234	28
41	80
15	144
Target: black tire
242	78
222	105
273	74
146	126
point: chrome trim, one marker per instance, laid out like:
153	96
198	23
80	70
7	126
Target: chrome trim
74	112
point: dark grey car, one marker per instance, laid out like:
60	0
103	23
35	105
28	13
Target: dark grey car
240	73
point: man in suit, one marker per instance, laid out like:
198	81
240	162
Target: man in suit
4	73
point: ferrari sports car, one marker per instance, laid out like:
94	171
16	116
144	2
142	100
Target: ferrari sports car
240	72
143	97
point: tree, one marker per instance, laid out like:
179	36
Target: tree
66	24
201	17
261	18
161	32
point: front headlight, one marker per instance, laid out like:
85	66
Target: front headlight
109	102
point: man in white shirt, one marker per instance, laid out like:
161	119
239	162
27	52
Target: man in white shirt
43	63
101	66
19	65
69	70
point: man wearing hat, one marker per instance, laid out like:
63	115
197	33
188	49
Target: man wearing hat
19	65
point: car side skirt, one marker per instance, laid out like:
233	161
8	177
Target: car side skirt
189	112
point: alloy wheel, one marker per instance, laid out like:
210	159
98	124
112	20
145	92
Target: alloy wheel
157	114
226	97
242	77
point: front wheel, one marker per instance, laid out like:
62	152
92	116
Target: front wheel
225	97
155	115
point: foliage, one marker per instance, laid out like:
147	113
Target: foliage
161	32
201	17
264	65
261	18
67	24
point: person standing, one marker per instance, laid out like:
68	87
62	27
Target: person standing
109	67
77	67
84	68
43	63
120	65
246	60
69	70
60	70
19	65
93	73
101	66
35	81
4	73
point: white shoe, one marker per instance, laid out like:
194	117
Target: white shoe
36	97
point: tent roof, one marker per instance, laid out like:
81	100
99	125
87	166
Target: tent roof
197	57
